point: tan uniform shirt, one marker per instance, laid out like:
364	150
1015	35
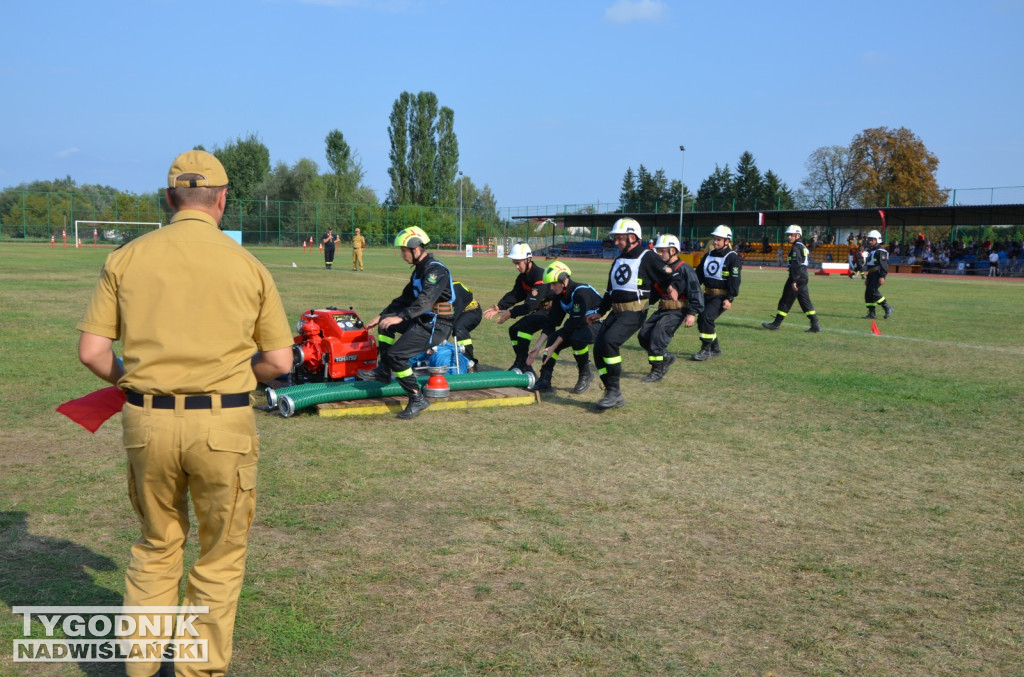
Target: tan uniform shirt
358	242
191	307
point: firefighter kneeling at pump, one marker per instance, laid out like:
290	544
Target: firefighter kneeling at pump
423	315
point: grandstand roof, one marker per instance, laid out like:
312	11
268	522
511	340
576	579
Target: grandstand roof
835	219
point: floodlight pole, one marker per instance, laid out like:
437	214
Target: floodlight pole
460	211
682	192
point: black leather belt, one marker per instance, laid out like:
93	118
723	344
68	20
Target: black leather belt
191	401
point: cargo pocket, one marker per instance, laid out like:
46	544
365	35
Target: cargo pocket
222	440
134	441
245	504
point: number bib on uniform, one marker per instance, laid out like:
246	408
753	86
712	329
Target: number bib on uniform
626	274
713	266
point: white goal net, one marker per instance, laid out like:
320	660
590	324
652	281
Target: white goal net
117	232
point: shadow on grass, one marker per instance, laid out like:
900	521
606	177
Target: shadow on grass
45	571
579	401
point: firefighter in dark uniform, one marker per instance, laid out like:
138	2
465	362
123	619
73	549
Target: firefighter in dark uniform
796	284
528	300
330	240
630	281
467	318
658	330
423	315
719	272
877	268
573	304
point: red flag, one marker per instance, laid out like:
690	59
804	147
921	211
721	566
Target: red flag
94	409
874	329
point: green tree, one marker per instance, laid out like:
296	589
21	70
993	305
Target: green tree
247	163
746	190
647	192
398	134
832	178
347	171
645	189
447	157
894	168
661	192
628	192
676	191
774	193
424	151
716	191
479	208
747	183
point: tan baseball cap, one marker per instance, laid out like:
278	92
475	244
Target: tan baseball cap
210	170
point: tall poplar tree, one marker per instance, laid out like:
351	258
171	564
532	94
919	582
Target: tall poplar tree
347	171
398	134
424	151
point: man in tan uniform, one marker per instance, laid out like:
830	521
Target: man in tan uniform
358	244
191	308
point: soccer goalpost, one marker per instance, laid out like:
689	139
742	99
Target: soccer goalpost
112	223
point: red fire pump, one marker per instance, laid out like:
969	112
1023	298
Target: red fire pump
332	345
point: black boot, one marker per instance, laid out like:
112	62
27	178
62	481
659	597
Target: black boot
715	350
704	352
870	315
585	378
417	403
888	310
657	373
659	369
774	324
543	384
612	399
815	327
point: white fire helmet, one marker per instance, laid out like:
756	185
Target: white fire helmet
626	227
794	230
722	231
875	235
666	241
520	251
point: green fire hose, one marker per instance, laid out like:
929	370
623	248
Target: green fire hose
293	398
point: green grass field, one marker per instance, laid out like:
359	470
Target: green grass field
830	504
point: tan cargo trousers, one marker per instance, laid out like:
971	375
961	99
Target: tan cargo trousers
210	454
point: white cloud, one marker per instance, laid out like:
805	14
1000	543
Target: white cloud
67	152
628	11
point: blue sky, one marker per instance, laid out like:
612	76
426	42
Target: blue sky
553	99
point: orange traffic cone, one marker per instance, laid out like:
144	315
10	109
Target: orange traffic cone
874	329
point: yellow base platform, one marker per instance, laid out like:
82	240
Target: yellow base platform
462	399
